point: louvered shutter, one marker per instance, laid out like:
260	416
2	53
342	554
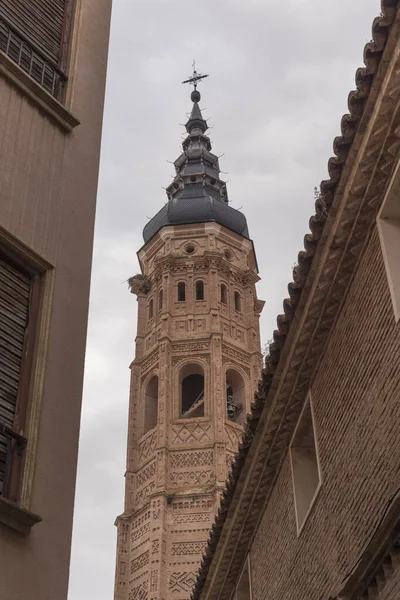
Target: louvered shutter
39	21
15	288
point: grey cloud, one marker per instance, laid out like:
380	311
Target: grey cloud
280	76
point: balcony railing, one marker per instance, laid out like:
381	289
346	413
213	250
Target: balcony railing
12	448
30	60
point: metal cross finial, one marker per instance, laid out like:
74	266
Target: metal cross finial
195	78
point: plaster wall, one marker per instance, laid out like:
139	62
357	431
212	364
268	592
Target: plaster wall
48	189
355	396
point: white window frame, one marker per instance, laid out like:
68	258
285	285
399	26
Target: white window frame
388	223
248	566
300	524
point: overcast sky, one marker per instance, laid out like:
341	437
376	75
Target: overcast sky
280	73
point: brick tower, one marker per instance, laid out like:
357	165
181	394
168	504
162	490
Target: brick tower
195	371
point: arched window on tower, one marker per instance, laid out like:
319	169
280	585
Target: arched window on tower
191	391
235	397
160	299
224	294
181	292
151	405
151	309
199	290
238	302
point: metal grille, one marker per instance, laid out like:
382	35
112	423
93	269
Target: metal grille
31	61
15	289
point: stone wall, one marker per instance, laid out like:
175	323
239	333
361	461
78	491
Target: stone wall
355	397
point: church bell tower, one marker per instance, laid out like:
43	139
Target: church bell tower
196	368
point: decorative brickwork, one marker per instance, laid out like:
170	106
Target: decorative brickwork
185	350
145	474
144	493
191	459
135	535
191	478
191	518
139	592
181	582
148	446
140	562
192	433
187	548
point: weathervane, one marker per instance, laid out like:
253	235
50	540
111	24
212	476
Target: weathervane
195	78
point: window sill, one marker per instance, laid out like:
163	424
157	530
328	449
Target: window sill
190	420
56	111
17	518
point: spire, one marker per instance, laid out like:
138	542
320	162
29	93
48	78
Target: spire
197	168
196	120
197	194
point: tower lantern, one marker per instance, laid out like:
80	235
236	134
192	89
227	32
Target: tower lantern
194	374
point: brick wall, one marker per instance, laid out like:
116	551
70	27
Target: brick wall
357	414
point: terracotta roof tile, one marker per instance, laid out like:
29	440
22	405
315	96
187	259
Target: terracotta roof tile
341	146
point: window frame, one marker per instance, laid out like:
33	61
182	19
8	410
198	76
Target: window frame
388	225
234	371
300	525
18	516
57	105
202	288
18	444
225	287
150	309
178	286
246	566
145	411
181	374
160	299
237	301
58	67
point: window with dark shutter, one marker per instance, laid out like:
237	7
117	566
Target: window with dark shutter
34	34
16	295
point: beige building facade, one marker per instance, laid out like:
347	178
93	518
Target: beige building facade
312	509
194	374
53	57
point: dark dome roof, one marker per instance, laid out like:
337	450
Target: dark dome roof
199	208
197	194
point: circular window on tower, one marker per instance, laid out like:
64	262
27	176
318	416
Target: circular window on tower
190	249
228	254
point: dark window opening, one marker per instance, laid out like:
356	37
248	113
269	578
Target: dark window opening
160	299
238	303
224	294
235	397
151	405
199	290
151	309
181	292
192	392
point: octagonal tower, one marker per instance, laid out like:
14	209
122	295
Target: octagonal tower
196	368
